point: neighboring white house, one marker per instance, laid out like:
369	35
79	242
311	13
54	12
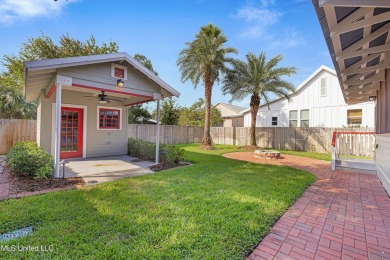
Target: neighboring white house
318	102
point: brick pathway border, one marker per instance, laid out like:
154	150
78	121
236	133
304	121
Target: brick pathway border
342	215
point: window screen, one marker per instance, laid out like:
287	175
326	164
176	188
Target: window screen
305	118
293	118
354	117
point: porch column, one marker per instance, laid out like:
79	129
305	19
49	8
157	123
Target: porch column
60	81
57	137
157	97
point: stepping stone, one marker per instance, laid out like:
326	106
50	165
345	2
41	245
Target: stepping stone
16	234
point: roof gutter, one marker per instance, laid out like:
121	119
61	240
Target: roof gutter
353	3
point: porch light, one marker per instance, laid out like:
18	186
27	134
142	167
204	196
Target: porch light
372	98
119	83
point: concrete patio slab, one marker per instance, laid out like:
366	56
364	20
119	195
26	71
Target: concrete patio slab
104	169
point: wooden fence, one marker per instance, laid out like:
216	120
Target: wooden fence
299	139
314	139
16	130
169	134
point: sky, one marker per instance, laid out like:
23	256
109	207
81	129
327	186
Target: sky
159	30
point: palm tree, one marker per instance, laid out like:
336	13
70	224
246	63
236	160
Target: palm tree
205	59
12	105
258	78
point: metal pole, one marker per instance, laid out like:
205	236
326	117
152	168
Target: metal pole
158	133
57	138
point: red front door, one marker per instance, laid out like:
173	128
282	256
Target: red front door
71	132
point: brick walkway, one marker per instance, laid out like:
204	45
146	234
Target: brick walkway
343	215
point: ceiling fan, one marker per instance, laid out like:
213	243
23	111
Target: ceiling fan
103	98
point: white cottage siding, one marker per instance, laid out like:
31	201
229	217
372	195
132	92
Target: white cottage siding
324	111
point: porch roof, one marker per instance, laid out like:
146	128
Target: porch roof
358	39
39	74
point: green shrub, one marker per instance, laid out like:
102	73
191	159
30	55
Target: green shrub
169	154
27	158
172	155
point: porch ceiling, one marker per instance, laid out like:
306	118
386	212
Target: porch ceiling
358	38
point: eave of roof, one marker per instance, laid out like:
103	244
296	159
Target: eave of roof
356	32
36	65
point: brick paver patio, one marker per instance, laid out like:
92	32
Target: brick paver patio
343	215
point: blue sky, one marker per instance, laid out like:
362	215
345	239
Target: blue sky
159	30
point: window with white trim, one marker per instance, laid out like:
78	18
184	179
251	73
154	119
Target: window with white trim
293	120
305	118
118	71
109	118
323	89
354	117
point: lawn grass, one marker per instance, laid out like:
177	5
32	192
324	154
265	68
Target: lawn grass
217	208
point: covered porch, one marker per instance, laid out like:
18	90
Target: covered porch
83	103
357	33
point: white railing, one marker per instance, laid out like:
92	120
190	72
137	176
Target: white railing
354	144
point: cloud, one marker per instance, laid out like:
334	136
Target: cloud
12	11
292	38
258	15
259	23
258	19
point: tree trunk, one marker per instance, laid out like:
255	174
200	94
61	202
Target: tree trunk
206	140
255	103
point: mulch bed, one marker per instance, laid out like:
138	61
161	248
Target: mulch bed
20	184
164	166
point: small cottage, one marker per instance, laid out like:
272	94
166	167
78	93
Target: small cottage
83	102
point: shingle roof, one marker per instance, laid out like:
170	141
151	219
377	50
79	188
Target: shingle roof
235	108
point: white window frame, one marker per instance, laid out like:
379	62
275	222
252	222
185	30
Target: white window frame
300	118
289	117
98	119
323	87
113	66
361	118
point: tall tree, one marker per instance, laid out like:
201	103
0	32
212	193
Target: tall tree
194	115
145	61
170	112
258	78
204	59
41	47
138	114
